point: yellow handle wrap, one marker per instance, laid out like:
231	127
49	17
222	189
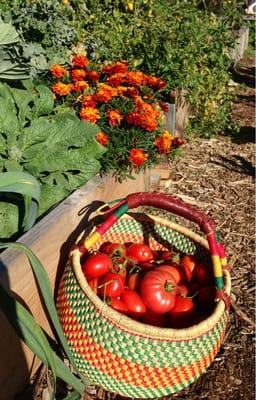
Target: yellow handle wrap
91	240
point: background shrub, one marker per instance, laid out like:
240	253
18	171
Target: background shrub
187	43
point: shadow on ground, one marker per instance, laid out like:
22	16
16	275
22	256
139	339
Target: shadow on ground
244	76
238	164
244	104
246	134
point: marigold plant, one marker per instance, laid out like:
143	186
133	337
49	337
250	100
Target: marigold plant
126	105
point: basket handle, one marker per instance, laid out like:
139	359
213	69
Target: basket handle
175	205
172	204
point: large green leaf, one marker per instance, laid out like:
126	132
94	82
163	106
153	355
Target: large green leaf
9	217
23	99
28	187
54	145
43	100
8	34
10	71
51	195
9	122
57	132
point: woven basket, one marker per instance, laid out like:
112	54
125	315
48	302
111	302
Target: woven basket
125	356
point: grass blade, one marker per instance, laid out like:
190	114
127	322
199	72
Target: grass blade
45	288
73	396
32	334
26	327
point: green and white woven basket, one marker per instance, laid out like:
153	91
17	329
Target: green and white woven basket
125	356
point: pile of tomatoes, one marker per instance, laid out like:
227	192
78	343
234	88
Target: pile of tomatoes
156	287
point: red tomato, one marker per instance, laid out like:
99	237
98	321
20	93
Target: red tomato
133	280
133	302
162	255
158	291
97	265
93	283
203	273
113	249
182	314
140	252
188	262
174	270
118	305
206	298
111	285
182	290
155	319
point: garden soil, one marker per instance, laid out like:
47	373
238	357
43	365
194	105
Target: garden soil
217	175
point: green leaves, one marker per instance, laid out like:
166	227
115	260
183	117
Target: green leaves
28	187
59	150
31	333
8	34
11	67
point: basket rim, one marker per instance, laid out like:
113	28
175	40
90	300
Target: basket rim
133	326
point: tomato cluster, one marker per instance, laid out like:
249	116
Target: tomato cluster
156	287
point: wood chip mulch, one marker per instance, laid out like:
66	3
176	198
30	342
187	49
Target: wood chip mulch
218	175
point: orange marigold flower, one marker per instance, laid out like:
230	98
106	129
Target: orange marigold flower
145	116
164	142
80	61
58	71
80	86
138	157
90	114
135	78
105	93
116	79
93	75
102	138
88	101
125	91
62	89
115	68
114	117
78	74
155	82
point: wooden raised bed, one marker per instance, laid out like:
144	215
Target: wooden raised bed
50	240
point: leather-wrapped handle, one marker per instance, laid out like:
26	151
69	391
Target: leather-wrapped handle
172	204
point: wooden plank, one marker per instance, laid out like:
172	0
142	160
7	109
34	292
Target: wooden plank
241	44
50	239
182	113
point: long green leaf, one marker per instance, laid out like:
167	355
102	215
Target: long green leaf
45	288
29	187
34	337
27	328
20	182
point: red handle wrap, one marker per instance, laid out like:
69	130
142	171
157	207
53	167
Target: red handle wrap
171	204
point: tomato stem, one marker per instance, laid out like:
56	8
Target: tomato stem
107	283
169	287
